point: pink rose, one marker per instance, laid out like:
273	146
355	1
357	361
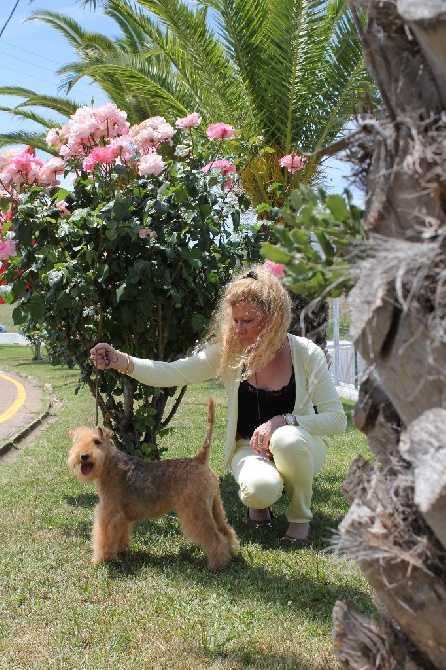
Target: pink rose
189	121
292	162
22	169
117	151
224	166
88	128
151	163
7	156
146	232
148	134
7	249
49	170
62	207
220	131
275	268
53	138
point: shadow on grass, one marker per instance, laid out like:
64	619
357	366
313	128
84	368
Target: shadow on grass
249	659
84	500
312	596
242	657
321	528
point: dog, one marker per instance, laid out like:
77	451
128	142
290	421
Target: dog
131	489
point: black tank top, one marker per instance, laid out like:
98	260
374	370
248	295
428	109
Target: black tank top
255	406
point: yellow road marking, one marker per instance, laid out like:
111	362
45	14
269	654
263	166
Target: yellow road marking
18	402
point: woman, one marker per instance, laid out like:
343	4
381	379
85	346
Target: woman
282	403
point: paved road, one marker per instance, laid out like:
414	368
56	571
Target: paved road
20	405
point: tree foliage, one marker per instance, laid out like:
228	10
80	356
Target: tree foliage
316	235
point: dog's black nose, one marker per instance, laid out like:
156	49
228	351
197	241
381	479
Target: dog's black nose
84	457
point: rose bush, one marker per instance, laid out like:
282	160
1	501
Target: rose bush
133	253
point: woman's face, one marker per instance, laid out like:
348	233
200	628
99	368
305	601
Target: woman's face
248	322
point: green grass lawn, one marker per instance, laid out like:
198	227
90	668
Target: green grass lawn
159	608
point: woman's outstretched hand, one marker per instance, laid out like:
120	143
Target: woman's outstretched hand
104	356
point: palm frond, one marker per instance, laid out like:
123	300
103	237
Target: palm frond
65	25
28	115
61	105
195	52
133	35
36	140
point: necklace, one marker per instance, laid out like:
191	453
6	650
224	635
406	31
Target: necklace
268	453
257	394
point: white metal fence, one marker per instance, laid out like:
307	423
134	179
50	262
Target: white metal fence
346	365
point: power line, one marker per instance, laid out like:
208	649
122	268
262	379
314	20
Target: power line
32	53
9	17
23	60
27	74
45	81
79	91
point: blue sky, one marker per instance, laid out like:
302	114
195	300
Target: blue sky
31	53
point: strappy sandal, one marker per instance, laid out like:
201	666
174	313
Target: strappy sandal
261	524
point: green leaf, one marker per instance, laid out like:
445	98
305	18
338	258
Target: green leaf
284	236
181	193
19	316
336	205
275	253
37	309
326	245
263	207
296	199
5	226
6	293
300	237
198	323
5	204
61	194
120	291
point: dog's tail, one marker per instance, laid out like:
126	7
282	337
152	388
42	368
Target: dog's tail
203	454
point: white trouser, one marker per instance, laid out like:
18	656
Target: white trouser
298	457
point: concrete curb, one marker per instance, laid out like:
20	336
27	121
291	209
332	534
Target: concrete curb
25	432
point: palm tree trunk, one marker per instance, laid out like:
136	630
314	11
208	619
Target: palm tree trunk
396	526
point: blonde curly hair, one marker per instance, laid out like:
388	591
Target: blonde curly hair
260	287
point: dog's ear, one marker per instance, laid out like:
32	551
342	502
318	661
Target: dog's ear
105	433
72	432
